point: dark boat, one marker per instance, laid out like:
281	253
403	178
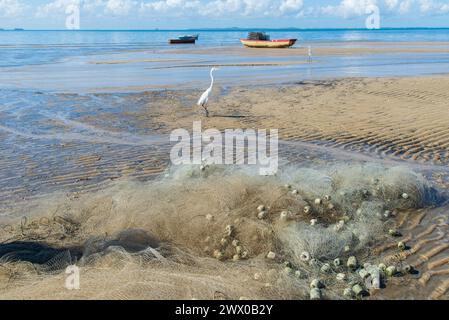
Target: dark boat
179	41
184	39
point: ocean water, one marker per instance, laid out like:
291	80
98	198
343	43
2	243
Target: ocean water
67	61
19	48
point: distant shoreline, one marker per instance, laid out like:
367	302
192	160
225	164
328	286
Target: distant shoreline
232	29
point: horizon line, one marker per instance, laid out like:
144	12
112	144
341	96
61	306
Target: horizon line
230	28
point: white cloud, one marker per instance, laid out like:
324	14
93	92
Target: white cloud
425	5
291	5
96	7
11	8
250	8
174	6
348	8
355	8
405	6
119	7
255	8
234	8
55	7
391	4
93	6
433	7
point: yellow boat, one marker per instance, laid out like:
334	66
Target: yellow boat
280	43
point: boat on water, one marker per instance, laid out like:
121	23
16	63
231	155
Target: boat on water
180	41
262	40
184	39
194	36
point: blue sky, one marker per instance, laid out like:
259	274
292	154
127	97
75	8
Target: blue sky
172	14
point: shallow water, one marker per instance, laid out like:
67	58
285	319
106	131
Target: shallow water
20	48
89	61
154	70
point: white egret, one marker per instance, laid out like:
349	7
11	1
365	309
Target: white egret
205	96
310	53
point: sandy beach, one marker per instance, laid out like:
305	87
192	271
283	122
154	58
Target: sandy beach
404	118
385	122
398	119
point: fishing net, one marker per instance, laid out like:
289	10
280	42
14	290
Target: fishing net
198	233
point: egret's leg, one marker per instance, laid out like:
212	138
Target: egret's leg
205	109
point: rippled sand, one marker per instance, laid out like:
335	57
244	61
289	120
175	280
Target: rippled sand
403	118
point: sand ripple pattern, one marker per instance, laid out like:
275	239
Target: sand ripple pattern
75	143
426	235
399	118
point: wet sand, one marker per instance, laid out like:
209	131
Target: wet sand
402	118
382	120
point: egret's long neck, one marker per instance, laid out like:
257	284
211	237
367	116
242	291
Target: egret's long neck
212	80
